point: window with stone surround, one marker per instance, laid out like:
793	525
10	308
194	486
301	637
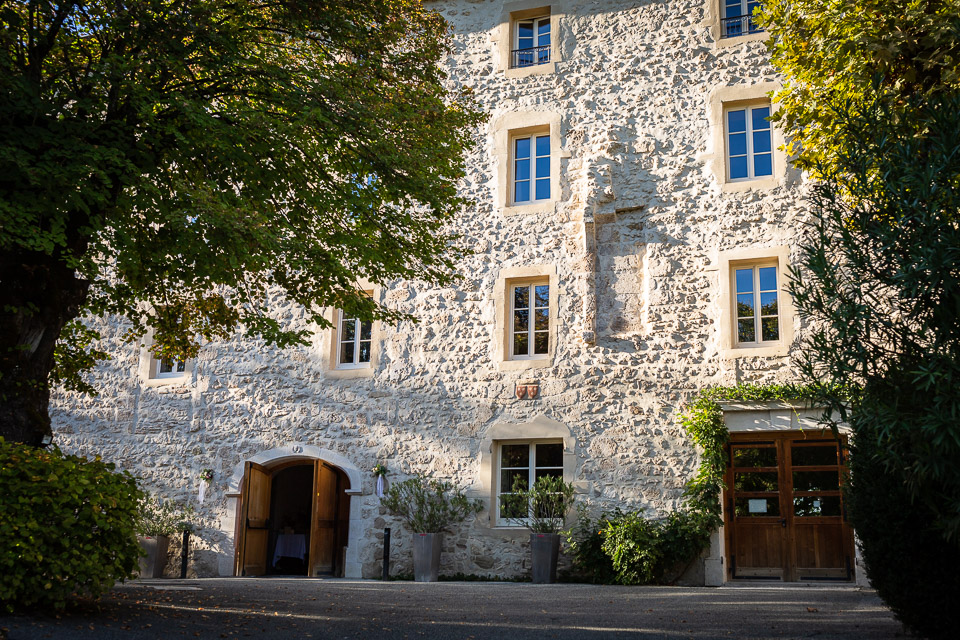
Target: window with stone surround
526	317
527	38
352	345
749	148
756	290
157	372
354	342
170	368
524	462
531	41
530	166
745	151
530	319
737	19
757	315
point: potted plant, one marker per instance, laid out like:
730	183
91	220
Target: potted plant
543	509
159	520
428	508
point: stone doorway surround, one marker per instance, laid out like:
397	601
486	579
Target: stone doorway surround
289	453
742	417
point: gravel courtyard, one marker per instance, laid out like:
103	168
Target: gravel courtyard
287	608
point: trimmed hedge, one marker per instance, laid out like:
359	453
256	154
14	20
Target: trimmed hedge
909	562
66	526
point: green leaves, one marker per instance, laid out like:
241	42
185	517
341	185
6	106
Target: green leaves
429	506
200	160
68	526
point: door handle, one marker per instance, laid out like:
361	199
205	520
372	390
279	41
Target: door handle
783	522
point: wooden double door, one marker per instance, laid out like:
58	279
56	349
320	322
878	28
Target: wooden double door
784	514
260	526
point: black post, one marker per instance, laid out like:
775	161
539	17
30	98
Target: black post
386	553
184	552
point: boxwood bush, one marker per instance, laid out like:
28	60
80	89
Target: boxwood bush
67	526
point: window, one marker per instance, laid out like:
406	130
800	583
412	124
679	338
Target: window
525	461
531	168
738	18
170	368
530	320
749	146
757	312
354	342
531	42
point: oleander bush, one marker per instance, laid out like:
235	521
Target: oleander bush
67	525
429	506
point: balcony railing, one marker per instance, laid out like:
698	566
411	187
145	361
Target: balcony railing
738	26
530	57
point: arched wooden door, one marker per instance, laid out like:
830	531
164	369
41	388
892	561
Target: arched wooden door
329	521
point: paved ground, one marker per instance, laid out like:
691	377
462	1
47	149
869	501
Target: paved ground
284	609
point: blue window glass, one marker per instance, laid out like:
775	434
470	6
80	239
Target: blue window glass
737	120
761	141
522	191
759	116
738	168
738	144
543	32
768	278
523	169
525	35
543	145
543	189
763	165
733	8
744	280
523	148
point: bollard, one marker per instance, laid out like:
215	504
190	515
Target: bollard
386	553
184	552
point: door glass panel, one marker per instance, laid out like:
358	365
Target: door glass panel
755	481
809	506
810	456
754	457
756	507
816	481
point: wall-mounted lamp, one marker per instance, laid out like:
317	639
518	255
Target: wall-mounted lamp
46	440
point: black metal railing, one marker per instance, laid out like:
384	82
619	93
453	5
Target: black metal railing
738	26
530	57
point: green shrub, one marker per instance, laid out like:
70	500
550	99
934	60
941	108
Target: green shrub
585	544
543	507
159	517
66	526
909	562
645	551
429	506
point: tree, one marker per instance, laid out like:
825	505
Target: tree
188	163
872	100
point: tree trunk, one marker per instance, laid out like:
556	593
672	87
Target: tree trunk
39	294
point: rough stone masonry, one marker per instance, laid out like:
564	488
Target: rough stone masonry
631	243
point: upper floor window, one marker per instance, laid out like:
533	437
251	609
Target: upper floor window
738	18
530	320
531	42
749	142
531	168
355	341
170	368
757	309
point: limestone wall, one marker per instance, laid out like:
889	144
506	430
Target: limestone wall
634	238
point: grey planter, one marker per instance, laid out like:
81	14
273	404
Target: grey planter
426	556
544	549
153	564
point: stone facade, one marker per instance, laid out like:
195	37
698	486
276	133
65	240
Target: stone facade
632	244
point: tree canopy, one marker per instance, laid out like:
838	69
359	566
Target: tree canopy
872	102
184	163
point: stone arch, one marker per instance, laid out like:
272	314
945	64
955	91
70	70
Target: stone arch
290	453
